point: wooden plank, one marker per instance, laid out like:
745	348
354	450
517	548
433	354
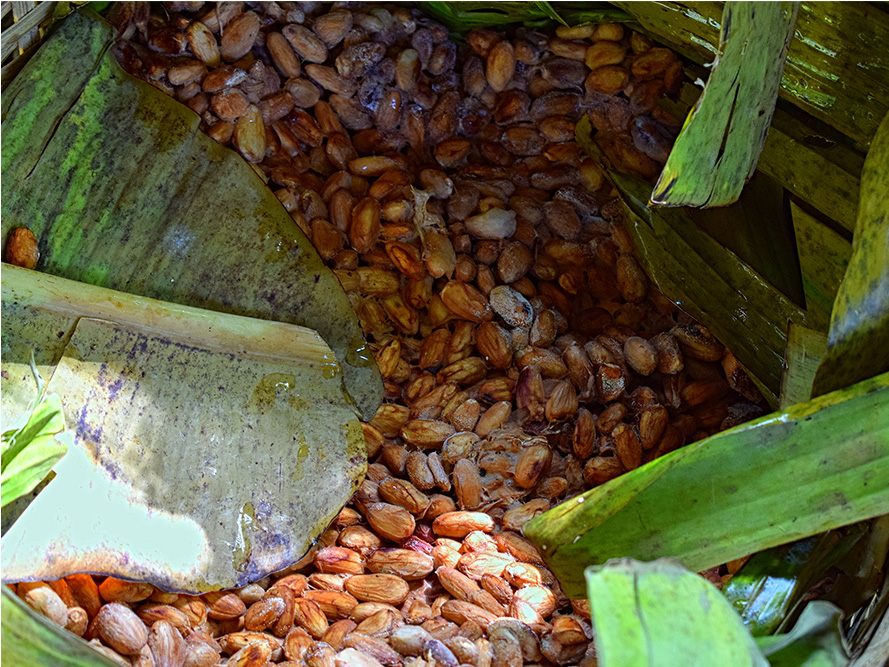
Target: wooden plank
838	63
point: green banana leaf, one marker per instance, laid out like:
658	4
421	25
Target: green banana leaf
758	228
840	80
719	145
660	614
731	299
814	641
823	257
858	342
728	495
805	349
122	190
30	452
198	438
772	582
31	639
461	17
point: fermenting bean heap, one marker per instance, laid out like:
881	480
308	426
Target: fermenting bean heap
525	354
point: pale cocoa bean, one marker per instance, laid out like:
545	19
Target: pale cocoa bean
391	521
239	36
500	67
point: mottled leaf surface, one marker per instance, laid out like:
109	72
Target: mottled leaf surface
209	449
858	342
717	150
122	190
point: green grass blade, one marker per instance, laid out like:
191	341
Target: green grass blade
705	504
29	453
717	150
660	614
858	344
31	639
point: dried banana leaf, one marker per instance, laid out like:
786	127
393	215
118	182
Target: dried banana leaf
716	152
31	639
707	503
836	68
209	449
122	190
660	614
858	342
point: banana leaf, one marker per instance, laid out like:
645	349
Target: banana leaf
805	350
209	450
758	229
771	583
812	163
705	504
31	639
858	342
660	614
719	145
740	308
823	257
461	17
841	81
123	191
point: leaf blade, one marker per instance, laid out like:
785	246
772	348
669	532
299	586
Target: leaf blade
688	506
717	150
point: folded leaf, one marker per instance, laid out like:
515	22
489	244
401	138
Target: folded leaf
660	614
717	150
815	641
704	504
805	350
31	639
706	279
842	82
858	343
823	257
122	190
771	583
199	438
